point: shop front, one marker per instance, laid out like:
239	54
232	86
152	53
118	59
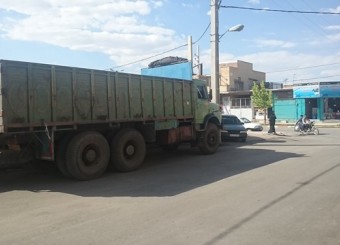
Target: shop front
318	100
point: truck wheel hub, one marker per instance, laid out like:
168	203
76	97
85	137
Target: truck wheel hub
90	155
130	150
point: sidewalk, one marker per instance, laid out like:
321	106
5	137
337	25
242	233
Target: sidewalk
329	123
332	123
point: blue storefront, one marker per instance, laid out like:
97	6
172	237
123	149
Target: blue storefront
318	100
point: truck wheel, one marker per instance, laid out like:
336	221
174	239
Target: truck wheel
61	155
127	150
87	155
209	140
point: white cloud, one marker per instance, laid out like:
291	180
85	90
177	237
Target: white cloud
334	38
117	27
328	39
270	43
335	10
157	4
271	62
282	65
187	5
333	28
254	1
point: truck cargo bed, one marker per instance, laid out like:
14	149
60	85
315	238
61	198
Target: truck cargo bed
34	96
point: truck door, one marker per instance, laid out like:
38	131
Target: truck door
202	105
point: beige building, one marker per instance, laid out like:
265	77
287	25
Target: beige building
239	76
236	81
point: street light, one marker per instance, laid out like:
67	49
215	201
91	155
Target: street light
215	38
232	29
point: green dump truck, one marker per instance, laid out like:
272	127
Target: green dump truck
88	121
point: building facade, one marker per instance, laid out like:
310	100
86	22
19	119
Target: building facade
239	76
236	81
316	100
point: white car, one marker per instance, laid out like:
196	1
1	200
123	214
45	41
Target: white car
251	125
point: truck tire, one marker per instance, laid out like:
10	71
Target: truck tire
87	155
209	140
128	150
61	155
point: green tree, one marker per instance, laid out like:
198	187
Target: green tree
261	98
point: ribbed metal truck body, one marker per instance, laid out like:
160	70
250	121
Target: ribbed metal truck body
88	120
35	95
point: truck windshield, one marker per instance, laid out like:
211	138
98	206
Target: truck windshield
202	92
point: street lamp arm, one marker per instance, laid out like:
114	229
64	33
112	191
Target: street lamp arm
233	29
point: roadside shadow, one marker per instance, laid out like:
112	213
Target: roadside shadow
163	174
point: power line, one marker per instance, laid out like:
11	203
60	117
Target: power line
308	4
234	7
302	68
279	10
302	18
153	56
206	29
314	78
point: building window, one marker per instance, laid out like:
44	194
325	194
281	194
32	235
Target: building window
238	84
240	103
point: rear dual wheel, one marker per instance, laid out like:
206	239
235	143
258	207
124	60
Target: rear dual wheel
61	154
87	155
128	150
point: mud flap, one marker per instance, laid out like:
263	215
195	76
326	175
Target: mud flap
45	146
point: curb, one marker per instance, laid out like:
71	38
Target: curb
319	125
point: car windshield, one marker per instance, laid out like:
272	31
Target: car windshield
245	120
230	120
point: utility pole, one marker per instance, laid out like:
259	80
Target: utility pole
197	62
190	49
215	76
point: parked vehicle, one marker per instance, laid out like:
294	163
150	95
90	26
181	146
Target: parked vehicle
306	129
253	126
233	128
89	120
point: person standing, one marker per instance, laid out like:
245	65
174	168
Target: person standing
272	120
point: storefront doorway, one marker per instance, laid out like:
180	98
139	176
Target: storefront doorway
312	108
332	108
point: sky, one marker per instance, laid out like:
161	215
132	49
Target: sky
127	35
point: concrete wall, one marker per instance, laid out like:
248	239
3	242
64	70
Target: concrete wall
240	112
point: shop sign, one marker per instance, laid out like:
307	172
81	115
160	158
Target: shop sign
306	91
330	90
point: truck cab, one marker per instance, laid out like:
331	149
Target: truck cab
205	109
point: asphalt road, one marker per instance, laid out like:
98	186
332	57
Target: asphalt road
273	189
